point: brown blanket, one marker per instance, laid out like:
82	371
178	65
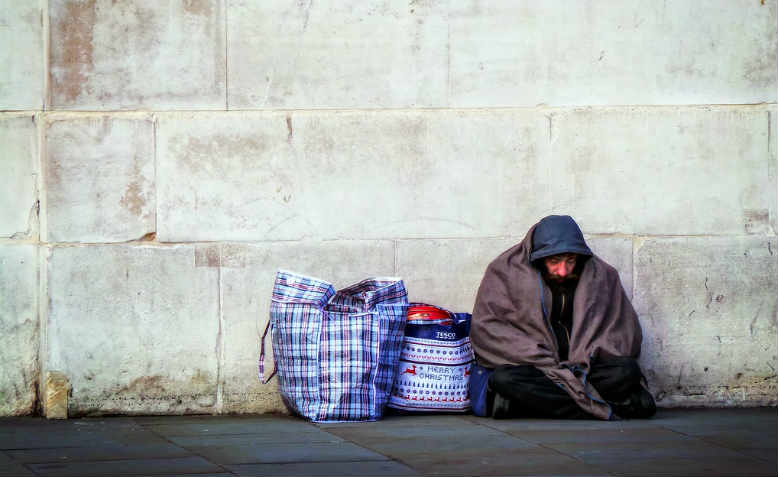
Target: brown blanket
509	326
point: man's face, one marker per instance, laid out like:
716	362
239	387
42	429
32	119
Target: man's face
559	268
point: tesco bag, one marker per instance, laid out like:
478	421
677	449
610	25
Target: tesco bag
435	362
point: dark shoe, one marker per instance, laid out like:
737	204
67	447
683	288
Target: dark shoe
501	409
647	406
640	405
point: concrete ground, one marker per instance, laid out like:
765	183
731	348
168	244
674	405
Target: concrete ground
738	442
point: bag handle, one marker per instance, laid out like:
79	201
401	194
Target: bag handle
262	358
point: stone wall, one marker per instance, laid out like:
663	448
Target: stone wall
161	159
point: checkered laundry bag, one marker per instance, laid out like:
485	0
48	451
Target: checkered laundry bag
336	351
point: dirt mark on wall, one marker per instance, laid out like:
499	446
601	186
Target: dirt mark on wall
75	31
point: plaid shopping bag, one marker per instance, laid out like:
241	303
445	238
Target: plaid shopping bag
435	362
336	351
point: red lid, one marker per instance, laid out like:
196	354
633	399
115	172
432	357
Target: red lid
427	312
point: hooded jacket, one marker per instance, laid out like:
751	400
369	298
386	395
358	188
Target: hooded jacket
510	323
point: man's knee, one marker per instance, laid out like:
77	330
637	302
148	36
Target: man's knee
619	369
513	377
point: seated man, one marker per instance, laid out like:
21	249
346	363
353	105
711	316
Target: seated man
553	322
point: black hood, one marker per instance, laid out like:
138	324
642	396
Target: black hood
557	234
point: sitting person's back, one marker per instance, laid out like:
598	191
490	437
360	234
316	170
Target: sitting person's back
553	322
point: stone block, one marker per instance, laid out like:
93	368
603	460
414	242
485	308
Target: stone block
19	194
135	328
247	277
336	55
773	167
617	251
21	54
708	308
99	174
688	171
585	53
108	55
467	54
447	272
350	175
19	340
55	395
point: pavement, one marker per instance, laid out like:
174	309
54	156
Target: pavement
737	442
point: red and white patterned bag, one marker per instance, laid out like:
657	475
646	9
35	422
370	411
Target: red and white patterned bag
435	362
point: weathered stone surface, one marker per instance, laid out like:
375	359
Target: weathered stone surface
135	328
528	53
351	175
336	54
468	54
617	251
247	277
18	328
448	272
21	54
709	308
19	194
773	169
664	171
134	55
55	395
99	174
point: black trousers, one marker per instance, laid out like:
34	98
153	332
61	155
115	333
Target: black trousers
532	394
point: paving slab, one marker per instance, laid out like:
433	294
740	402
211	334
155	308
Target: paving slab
14	470
595	451
290	437
225	426
696	421
412	439
675	466
443	449
587	425
525	462
193	465
64	439
99	450
35	433
287	453
604	436
388	468
752	434
195	475
420	420
45	439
